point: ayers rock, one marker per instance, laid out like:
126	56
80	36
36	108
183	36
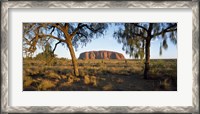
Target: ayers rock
101	55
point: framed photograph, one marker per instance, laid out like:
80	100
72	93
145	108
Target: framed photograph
100	56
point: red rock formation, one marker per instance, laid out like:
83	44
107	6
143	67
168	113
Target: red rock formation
101	55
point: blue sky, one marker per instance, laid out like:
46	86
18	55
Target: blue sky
107	42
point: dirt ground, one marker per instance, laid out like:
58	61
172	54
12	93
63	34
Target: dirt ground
99	75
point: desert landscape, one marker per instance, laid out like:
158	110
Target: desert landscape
99	75
100	56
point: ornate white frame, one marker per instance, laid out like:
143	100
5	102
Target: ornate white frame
5	108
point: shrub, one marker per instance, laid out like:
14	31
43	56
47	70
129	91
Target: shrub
108	87
93	80
70	80
168	83
76	79
27	81
46	84
27	71
86	79
52	75
63	76
81	64
82	72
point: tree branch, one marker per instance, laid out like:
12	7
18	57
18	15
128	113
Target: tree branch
55	47
32	47
81	34
27	41
84	25
92	29
58	26
67	26
52	37
52	30
140	27
77	29
47	40
164	31
168	29
143	37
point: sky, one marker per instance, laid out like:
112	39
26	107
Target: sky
108	42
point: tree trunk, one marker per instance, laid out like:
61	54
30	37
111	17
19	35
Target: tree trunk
147	59
142	51
74	60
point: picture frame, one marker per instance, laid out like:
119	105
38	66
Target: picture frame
6	5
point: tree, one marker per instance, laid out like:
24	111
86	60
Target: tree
47	55
136	38
71	34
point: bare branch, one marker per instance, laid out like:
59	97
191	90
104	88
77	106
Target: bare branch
52	30
55	46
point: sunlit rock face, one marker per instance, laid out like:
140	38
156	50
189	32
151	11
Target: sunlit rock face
101	55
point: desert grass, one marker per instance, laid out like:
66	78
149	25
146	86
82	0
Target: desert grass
46	85
99	75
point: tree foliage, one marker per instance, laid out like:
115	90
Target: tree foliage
133	36
36	35
136	38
